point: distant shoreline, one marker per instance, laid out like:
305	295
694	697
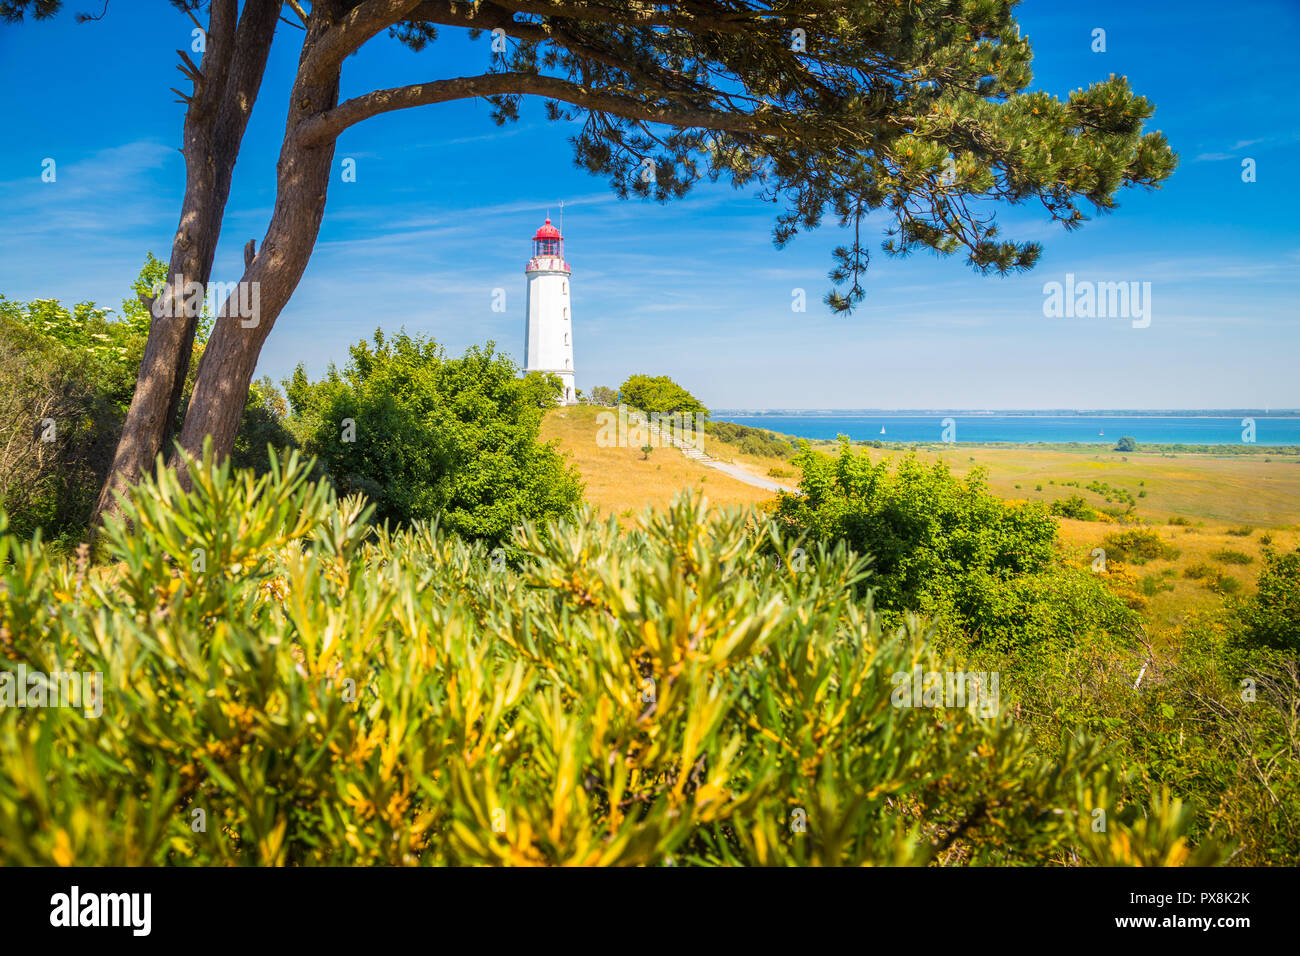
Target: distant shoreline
1006	413
1236	433
1144	448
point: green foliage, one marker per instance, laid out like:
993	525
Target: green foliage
602	395
1187	726
1138	546
265	429
952	133
68	376
57	428
942	545
423	435
1127	443
327	694
1076	507
752	441
658	394
1271	617
1229	556
1153	584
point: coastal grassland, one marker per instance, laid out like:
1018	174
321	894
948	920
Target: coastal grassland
1212	491
1218	496
1262	490
1214	497
1193	578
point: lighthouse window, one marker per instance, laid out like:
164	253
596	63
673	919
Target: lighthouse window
566	338
566	313
564	288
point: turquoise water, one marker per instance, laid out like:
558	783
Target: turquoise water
1100	430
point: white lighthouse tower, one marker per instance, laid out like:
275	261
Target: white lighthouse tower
548	335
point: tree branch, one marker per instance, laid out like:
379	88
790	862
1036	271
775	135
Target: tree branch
356	27
331	123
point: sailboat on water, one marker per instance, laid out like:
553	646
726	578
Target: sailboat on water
882	429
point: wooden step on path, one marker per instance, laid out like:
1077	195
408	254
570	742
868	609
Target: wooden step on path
690	451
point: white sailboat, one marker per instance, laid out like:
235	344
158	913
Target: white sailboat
882	429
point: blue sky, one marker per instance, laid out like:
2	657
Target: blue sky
445	204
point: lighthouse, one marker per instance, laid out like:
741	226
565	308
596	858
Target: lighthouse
548	334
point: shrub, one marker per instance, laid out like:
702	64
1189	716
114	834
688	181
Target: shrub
1127	443
423	435
1153	584
1139	546
751	441
57	432
632	696
659	394
1245	531
1272	615
1229	556
601	395
983	569
1226	584
1075	507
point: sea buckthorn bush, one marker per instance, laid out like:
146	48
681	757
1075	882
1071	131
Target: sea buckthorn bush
287	684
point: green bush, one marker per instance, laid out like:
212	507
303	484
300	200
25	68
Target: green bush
1075	507
68	376
1229	556
981	568
58	428
323	694
1271	617
751	441
602	395
423	435
659	393
1138	546
1187	725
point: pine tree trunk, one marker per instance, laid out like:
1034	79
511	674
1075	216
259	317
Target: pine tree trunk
230	357
218	113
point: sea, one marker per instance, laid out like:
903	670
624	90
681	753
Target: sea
1210	428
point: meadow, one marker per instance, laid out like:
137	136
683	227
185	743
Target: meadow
1220	503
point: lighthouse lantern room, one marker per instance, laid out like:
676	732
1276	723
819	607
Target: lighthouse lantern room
548	333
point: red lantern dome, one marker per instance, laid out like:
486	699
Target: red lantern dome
547	241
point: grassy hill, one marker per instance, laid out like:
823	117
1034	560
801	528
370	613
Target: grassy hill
622	481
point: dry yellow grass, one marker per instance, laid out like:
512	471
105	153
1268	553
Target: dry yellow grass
1179	596
622	482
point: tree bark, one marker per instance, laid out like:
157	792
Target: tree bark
225	88
303	172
